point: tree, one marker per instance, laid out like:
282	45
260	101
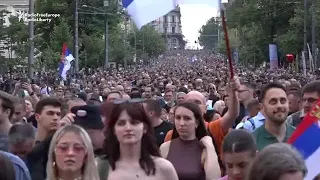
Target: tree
209	34
52	53
148	41
93	53
91	28
17	33
121	49
260	23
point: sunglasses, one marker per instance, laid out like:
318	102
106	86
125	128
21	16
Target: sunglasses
130	101
63	149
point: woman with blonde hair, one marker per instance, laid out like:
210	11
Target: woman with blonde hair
71	155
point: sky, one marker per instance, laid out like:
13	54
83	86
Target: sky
193	17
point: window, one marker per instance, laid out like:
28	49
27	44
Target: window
165	30
173	20
173	29
165	18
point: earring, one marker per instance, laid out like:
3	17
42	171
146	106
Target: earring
54	164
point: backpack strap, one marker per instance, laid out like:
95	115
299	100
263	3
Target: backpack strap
103	167
252	123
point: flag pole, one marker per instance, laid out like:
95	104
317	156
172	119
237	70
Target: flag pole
226	36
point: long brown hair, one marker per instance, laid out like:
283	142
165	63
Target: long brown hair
201	130
148	142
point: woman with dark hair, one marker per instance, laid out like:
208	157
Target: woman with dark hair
131	147
238	151
191	150
278	161
7	169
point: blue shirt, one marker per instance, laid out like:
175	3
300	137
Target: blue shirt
20	168
257	120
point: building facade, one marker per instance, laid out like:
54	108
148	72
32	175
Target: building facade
12	7
170	27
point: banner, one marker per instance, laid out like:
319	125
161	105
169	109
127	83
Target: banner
273	56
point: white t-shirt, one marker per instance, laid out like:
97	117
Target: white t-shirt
45	90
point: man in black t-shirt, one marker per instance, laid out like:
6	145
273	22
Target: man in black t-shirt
161	127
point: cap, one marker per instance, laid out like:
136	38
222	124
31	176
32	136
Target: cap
88	117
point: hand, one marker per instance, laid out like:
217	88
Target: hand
67	120
27	87
17	86
206	141
233	86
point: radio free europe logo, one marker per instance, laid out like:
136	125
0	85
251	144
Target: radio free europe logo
36	17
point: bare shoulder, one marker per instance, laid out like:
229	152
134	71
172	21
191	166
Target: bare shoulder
164	165
164	149
165	145
165	169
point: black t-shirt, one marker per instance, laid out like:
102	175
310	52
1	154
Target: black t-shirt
161	131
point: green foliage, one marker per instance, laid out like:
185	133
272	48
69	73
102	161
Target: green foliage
148	41
91	31
51	55
209	34
50	35
15	39
259	23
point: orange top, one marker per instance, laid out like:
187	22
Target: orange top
215	130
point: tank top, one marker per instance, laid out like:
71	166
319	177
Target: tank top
185	155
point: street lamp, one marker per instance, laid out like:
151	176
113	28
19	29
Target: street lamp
31	38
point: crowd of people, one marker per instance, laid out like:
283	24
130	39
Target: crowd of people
177	118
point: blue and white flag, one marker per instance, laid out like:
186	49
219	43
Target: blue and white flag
145	11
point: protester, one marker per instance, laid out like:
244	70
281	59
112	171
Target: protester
20	169
6	113
20	113
7	171
310	95
131	148
71	155
161	126
167	81
278	162
21	139
294	98
238	150
89	118
276	108
47	115
191	150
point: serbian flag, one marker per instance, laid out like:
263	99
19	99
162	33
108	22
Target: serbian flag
306	139
65	62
